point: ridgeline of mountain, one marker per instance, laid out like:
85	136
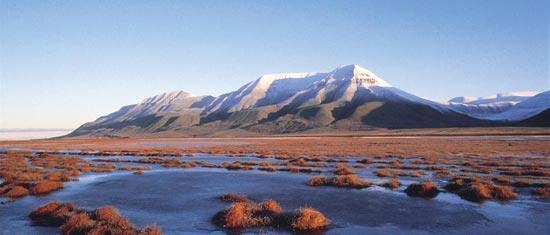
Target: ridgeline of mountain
347	98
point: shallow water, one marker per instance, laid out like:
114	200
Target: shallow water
184	201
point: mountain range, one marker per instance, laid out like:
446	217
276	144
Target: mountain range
347	98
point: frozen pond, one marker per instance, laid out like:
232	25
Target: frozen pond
184	201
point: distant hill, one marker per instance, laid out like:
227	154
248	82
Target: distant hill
347	98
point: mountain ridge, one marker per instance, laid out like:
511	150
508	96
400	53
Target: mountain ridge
349	97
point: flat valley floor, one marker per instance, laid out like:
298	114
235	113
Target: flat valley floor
412	184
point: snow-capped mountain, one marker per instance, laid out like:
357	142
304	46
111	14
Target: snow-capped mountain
510	97
348	97
525	109
491	107
175	101
279	93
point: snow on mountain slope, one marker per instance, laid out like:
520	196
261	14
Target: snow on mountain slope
486	107
280	93
266	90
347	97
350	83
526	109
511	97
175	101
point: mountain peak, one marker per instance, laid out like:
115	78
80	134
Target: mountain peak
359	75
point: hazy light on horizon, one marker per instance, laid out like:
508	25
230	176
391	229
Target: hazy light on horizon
66	63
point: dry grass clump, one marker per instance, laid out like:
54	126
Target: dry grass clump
267	168
502	179
59	176
502	193
79	223
271	206
388	173
236	166
232	197
150	230
319	180
17	192
415	174
309	219
45	187
343	169
243	215
294	169
426	189
349	181
103	168
248	214
344	181
543	192
72	220
391	184
52	214
134	168
475	190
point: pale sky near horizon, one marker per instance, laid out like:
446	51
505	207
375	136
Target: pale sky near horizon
63	63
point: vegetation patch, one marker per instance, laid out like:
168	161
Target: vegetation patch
475	190
246	213
344	181
73	220
426	189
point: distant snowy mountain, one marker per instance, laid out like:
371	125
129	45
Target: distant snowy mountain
348	97
525	109
491	107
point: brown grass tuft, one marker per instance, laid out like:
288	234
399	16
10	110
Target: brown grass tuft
104	220
319	180
17	192
150	230
52	214
343	169
79	223
502	193
344	181
45	187
271	206
543	192
349	181
231	197
308	219
58	176
392	183
425	189
475	190
239	215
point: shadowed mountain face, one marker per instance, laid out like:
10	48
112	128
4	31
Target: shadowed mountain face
349	97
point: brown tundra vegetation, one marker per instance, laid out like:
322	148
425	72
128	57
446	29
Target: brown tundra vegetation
73	221
344	181
246	213
426	189
473	189
543	192
343	169
391	184
46	187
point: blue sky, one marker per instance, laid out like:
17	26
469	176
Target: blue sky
63	63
